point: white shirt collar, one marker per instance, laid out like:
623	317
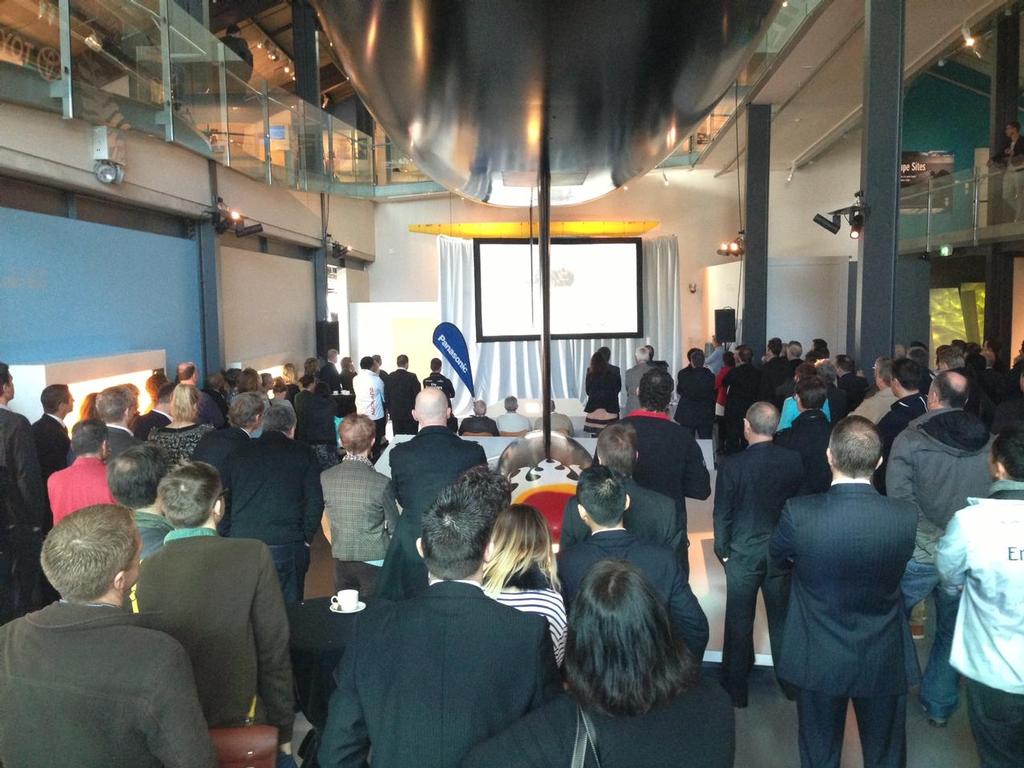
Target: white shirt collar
852	481
162	413
118	426
476	584
59	421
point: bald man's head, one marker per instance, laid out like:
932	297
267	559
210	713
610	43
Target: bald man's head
763	419
948	390
431	408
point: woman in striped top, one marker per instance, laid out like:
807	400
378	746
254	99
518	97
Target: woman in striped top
522	574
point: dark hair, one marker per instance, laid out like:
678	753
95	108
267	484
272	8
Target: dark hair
775	346
54	396
952	392
1008	450
696	358
248	381
165	393
456	530
819	344
135	473
616	445
233	29
920	356
378	359
435	364
1013	124
621	656
656	389
366	363
729	359
607	353
5	374
976	361
813	356
805	371
744	353
598	364
855	447
87	437
305	380
245	409
812	392
602	495
491	489
322	389
845	363
402	361
907	373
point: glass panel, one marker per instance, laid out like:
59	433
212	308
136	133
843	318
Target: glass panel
116	64
286	159
29	52
245	126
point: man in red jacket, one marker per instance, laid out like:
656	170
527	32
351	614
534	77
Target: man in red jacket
84	483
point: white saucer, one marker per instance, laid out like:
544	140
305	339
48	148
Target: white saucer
359	606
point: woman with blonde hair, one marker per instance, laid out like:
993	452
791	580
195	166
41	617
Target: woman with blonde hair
182	435
522	573
291	381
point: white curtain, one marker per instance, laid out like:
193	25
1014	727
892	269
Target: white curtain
513	367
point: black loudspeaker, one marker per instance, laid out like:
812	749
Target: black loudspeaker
326	337
725	325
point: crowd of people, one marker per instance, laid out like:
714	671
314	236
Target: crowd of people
146	562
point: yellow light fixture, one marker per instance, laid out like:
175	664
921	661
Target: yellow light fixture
513	230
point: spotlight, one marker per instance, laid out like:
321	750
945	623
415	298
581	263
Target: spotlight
969	39
94	42
856	224
735	247
287	69
235	215
108	172
831	224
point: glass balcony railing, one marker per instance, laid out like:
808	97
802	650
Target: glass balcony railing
147	65
966	208
790	18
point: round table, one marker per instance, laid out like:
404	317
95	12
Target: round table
317	641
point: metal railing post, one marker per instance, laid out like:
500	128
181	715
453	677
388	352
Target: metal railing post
222	77
928	220
265	96
329	165
977	206
62	89
165	71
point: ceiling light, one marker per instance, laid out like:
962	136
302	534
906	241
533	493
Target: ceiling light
969	39
736	247
287	69
93	41
856	224
235	215
625	187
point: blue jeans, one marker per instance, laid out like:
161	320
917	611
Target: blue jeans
291	562
940	687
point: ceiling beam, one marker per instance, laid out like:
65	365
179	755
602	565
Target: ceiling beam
227	12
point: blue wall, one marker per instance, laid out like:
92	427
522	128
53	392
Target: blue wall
71	289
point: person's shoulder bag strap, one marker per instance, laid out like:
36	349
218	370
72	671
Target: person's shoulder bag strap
585	736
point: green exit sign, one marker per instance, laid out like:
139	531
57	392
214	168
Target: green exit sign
945	250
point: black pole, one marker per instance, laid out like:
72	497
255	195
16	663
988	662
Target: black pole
880	177
755	274
544	243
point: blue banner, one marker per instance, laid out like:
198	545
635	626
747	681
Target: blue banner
452	343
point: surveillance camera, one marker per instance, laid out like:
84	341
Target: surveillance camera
108	172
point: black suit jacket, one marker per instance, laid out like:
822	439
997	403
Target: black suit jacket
147	422
400	390
215	447
651	517
808	436
22	492
423	681
658	563
743	386
855	387
774	374
846	633
420	469
750	491
670	462
696	390
52	445
274	492
330	376
119	441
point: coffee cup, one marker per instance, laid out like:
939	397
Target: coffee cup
346	600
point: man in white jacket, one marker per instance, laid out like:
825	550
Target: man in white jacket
982	553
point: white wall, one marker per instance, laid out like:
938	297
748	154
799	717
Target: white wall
396	328
266	306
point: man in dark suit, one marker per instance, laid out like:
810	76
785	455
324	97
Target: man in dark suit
420	469
426	679
809	435
479	422
695	386
274	495
751	488
61	664
846	635
438	380
22	506
158	416
601	503
209	411
669	461
855	387
113	407
742	387
400	390
329	373
650	516
49	432
245	417
775	372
